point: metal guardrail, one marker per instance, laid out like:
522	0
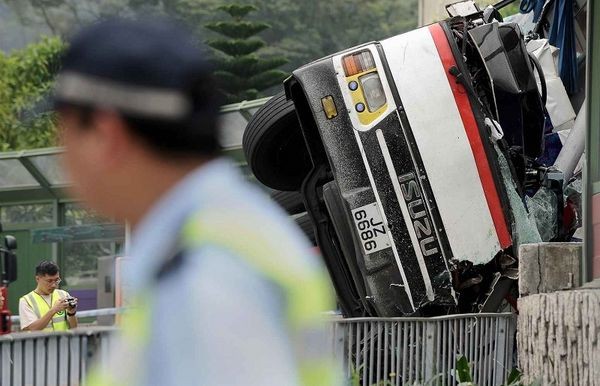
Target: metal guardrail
52	358
378	351
84	314
402	351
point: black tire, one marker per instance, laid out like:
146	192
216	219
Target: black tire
291	202
274	146
303	221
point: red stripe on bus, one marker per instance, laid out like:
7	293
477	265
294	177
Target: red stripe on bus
466	113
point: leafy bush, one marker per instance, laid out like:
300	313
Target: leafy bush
26	77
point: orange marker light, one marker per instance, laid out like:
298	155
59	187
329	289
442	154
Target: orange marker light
358	62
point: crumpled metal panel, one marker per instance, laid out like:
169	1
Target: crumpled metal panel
519	106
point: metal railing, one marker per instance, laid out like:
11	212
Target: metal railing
81	316
402	351
52	358
377	351
15	319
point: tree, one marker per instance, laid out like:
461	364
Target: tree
302	31
508	10
26	78
241	72
311	29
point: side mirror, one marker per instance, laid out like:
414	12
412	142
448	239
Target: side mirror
10	242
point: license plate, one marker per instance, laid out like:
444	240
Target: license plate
370	228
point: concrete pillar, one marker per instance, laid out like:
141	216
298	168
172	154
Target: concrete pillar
558	338
549	267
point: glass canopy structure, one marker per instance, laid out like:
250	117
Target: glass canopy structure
36	208
33	175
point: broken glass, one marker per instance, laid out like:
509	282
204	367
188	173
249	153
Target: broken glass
543	211
572	195
524	227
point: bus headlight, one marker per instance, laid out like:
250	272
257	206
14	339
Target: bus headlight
373	91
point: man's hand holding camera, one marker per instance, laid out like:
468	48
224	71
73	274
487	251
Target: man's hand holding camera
69	304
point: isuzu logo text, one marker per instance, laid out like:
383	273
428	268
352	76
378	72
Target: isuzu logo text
421	221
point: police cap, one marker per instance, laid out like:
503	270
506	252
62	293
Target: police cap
144	69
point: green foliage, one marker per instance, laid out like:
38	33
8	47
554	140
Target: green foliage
250	65
463	371
268	78
238	11
509	10
26	214
308	30
300	31
355	376
291	31
464	377
237	29
236	48
26	78
242	73
514	377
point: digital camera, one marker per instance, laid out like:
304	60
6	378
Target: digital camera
72	301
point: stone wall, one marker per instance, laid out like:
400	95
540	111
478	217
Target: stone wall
558	337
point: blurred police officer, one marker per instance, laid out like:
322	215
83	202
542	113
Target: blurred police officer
227	292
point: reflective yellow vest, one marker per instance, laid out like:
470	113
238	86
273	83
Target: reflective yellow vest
306	290
41	308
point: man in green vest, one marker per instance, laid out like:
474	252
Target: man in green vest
47	308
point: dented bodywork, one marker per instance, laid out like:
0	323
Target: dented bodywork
418	173
423	149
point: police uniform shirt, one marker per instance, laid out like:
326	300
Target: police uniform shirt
215	320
